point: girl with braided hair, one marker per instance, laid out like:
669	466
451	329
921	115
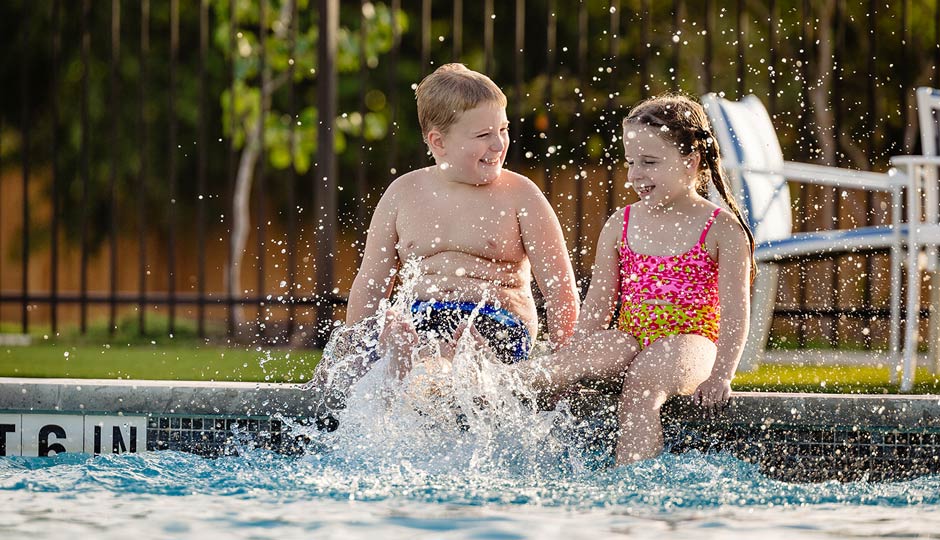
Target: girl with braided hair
668	305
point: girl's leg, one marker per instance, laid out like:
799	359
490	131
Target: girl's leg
670	366
603	355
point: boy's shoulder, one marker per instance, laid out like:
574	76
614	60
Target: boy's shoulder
410	179
407	184
417	182
515	178
519	184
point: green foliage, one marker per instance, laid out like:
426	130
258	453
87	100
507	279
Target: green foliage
579	115
280	56
140	153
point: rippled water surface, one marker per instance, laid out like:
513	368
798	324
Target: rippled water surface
445	453
262	495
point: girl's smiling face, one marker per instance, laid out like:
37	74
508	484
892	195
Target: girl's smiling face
474	148
659	173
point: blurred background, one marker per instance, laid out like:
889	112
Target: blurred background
207	170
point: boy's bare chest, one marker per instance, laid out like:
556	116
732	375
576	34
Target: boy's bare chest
482	226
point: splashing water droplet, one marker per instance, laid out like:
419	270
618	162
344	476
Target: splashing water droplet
468	413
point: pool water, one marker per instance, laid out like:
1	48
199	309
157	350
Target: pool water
265	495
447	452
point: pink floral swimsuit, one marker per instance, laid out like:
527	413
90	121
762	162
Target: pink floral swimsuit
686	287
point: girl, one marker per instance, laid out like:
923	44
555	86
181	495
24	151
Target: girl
678	268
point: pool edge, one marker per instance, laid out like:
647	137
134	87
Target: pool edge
791	436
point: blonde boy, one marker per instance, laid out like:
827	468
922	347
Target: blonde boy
481	232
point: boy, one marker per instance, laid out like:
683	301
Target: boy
480	232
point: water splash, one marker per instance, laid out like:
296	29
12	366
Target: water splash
469	413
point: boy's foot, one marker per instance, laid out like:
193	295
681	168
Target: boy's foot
398	341
480	343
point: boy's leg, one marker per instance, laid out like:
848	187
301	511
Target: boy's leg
480	342
670	366
603	355
398	341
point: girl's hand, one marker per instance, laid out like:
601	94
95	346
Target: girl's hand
714	391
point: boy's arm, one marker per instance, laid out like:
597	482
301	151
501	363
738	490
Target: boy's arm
734	293
376	274
545	246
601	300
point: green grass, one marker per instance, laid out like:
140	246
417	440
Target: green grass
126	353
197	363
126	332
831	379
217	363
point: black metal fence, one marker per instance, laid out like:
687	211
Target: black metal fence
118	132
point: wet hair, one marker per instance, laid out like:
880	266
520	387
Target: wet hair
451	90
682	121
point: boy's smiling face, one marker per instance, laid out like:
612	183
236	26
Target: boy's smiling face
473	149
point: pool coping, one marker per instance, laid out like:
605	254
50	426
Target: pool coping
254	398
154	396
790	436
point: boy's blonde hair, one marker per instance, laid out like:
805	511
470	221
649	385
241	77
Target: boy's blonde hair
451	90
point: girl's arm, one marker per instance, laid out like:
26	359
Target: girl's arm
589	354
376	274
601	300
545	246
734	293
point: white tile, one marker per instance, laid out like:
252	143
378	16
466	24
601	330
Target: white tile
11	434
115	434
51	434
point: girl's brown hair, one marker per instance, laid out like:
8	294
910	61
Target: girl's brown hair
683	122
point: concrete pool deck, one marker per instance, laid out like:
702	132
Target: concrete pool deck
791	436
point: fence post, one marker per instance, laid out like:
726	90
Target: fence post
115	100
142	173
202	164
24	109
261	171
325	182
54	225
230	286
172	176
84	167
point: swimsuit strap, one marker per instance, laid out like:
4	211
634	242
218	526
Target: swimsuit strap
701	240
708	225
626	222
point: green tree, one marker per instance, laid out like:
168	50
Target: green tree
267	57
